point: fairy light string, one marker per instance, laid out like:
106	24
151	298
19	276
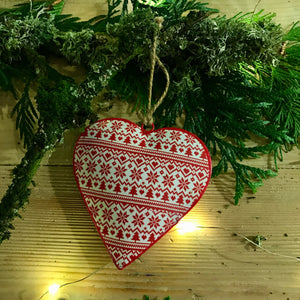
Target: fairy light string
147	120
250	242
177	229
76	281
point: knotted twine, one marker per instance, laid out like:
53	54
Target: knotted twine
147	119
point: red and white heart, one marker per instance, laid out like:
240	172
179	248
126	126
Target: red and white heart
138	184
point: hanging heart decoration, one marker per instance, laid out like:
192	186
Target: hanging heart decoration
138	184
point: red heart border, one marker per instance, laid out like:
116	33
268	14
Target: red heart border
94	133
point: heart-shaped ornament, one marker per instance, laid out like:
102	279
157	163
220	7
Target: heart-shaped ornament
138	184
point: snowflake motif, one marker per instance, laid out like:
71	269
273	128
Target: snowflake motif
131	128
153	222
160	134
175	135
136	174
116	126
103	124
190	139
94	211
122	217
107	214
78	165
138	220
105	169
197	188
120	171
91	167
168	180
183	183
152	177
168	224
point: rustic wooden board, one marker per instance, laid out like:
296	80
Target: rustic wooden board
11	150
56	240
286	11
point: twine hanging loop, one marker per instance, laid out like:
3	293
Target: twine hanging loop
148	118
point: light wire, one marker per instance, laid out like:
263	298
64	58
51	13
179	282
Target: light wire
76	281
176	229
250	241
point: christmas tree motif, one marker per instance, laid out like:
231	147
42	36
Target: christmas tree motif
151	238
149	193
89	183
99	134
158	146
136	236
105	230
120	234
188	151
102	185
173	149
133	191
203	155
165	196
142	143
117	188
112	137
127	140
180	200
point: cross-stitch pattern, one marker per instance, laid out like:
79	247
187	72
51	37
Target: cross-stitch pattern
138	184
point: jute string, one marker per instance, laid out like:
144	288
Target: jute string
148	117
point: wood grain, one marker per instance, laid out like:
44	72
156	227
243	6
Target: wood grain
56	240
287	12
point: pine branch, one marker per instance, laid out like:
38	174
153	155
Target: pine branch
176	9
113	8
281	83
59	109
27	116
18	192
6	74
293	34
230	78
56	7
244	175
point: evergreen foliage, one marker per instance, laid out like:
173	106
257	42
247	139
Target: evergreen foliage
231	78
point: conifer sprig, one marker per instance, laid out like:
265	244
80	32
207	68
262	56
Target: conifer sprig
26	116
231	80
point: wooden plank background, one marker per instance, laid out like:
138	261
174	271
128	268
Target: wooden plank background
56	240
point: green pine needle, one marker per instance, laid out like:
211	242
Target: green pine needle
231	80
27	116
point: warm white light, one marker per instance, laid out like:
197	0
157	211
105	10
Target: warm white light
53	289
186	226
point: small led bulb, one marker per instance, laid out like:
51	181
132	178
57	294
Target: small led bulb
53	289
185	226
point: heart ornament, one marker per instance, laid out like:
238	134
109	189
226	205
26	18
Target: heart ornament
138	184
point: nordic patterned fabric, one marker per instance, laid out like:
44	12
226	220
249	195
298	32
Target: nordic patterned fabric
138	184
